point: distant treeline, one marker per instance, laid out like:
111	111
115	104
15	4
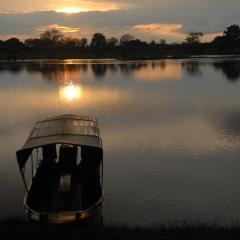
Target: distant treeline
54	44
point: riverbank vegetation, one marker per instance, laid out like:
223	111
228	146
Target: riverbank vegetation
53	44
19	229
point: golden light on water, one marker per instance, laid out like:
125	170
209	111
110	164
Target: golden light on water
164	71
70	93
69	10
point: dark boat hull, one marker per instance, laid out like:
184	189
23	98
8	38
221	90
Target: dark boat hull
90	216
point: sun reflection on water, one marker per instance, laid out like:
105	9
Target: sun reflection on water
70	92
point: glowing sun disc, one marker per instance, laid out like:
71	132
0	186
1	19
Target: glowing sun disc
69	10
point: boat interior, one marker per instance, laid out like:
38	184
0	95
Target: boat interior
68	178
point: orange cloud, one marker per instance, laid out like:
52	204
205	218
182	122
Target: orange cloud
170	31
63	29
67	6
19	36
209	37
165	30
85	6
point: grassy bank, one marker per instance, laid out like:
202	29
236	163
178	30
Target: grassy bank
18	229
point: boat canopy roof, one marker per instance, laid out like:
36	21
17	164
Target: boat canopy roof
69	129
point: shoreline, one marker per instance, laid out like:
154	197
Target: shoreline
173	57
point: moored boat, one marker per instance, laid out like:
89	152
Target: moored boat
61	165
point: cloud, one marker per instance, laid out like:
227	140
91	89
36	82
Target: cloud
16	6
170	31
19	36
148	19
211	36
63	29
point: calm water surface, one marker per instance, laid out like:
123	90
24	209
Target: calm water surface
171	133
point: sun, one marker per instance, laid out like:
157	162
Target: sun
69	10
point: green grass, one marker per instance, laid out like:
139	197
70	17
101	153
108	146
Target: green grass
19	229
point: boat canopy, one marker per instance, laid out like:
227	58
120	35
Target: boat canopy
68	129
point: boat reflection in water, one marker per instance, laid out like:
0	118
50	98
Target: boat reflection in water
70	92
66	154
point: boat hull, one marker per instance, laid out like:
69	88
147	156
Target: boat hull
90	216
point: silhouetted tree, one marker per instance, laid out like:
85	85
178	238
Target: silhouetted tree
131	47
51	37
221	42
70	42
83	42
13	46
1	44
32	42
232	32
152	43
125	39
137	43
194	37
230	38
13	43
98	40
162	42
112	42
218	39
53	34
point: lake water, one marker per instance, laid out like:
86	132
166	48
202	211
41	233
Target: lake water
170	129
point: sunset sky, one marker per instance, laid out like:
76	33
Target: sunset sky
146	19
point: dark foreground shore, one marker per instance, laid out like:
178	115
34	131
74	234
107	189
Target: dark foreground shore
18	229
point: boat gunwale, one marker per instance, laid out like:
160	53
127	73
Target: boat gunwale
86	211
